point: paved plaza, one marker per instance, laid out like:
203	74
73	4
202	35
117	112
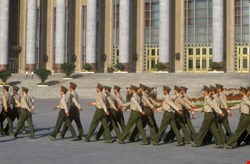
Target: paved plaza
42	150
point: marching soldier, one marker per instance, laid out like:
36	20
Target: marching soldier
118	103
26	114
168	118
99	116
208	121
226	110
113	110
6	111
63	117
135	118
244	123
149	110
74	110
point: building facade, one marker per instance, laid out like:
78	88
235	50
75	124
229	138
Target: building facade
184	35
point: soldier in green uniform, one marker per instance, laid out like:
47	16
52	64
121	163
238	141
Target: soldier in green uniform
244	123
225	109
6	111
99	116
119	104
26	114
208	121
74	111
135	118
112	118
168	118
149	110
63	117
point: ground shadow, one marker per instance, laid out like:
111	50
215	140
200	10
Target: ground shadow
53	82
14	83
77	76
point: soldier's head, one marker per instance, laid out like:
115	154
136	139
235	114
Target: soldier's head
219	87
166	90
72	86
134	89
5	88
177	90
107	89
24	90
116	89
248	91
63	90
206	90
243	91
213	90
183	90
99	87
129	90
15	89
143	88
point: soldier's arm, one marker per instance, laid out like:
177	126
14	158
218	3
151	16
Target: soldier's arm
235	107
186	100
76	102
119	101
223	101
112	105
214	106
25	104
184	104
103	104
198	109
169	102
5	103
65	107
17	102
154	102
133	100
247	102
145	99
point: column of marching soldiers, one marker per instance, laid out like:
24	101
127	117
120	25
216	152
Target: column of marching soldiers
109	112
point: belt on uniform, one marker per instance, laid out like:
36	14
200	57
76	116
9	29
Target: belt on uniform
245	114
209	112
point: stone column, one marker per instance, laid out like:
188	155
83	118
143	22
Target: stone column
124	33
91	34
164	32
60	32
4	33
31	35
218	45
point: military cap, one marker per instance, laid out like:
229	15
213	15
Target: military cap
25	89
100	86
144	86
213	88
6	87
219	86
206	88
248	88
243	89
166	88
72	85
133	87
184	88
177	88
117	87
64	89
150	89
107	87
15	88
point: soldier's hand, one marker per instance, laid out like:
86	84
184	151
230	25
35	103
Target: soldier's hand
5	110
116	110
124	109
230	114
107	113
81	109
222	114
54	107
180	112
192	109
90	104
30	110
67	114
142	113
155	110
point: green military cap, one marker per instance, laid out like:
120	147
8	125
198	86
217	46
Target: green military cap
184	88
72	85
166	88
150	89
206	88
144	86
100	86
107	87
6	87
133	87
219	86
117	87
177	88
15	88
243	89
64	89
25	89
213	88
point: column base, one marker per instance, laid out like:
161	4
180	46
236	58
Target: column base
30	67
3	67
93	67
57	68
126	67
